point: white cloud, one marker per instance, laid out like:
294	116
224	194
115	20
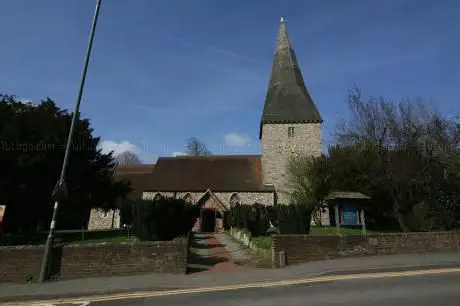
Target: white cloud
118	147
25	101
123	146
179	154
236	140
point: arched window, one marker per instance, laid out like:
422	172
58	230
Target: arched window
188	198
157	197
234	200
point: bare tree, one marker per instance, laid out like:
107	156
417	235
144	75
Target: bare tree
411	138
197	148
127	158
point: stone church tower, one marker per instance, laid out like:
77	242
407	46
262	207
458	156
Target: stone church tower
290	121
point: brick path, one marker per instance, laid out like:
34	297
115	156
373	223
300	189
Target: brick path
218	250
211	255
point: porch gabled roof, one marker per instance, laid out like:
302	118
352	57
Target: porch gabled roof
209	194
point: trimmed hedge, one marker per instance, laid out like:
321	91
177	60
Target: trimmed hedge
160	219
288	219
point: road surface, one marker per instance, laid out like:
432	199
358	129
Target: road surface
408	290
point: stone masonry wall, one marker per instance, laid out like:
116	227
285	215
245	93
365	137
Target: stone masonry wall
306	248
278	148
100	220
265	198
22	263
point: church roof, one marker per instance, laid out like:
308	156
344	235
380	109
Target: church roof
137	175
287	100
218	173
134	168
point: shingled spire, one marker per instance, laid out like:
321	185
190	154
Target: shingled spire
287	100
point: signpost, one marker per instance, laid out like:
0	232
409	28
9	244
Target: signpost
60	189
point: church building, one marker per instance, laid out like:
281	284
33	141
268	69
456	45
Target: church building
290	124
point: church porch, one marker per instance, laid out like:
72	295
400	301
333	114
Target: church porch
213	214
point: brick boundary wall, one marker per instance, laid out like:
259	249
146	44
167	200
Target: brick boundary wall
22	263
306	248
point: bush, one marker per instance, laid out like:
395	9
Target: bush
286	219
163	218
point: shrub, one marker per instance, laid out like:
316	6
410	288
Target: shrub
163	218
286	219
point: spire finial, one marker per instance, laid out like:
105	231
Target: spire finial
283	40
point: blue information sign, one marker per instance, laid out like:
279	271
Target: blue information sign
349	214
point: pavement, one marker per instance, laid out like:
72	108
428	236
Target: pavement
213	266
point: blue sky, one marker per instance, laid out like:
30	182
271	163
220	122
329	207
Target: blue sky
166	70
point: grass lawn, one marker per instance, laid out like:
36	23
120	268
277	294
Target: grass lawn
70	237
262	242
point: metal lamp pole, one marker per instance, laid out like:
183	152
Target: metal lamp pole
60	187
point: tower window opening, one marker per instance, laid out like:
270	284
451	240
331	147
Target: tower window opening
290	132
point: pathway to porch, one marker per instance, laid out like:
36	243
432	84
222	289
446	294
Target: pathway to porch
216	252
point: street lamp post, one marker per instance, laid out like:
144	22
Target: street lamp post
60	187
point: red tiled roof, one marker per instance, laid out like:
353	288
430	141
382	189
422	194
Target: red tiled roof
136	168
224	173
218	173
137	175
